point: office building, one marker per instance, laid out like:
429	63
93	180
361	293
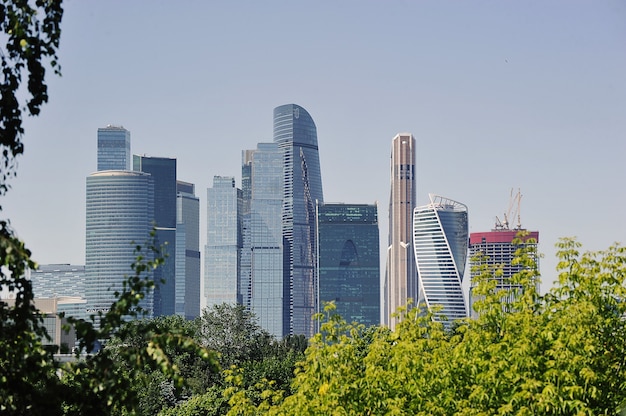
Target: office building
296	136
496	250
224	242
163	172
263	279
440	236
400	284
348	260
187	251
56	281
245	260
119	216
113	148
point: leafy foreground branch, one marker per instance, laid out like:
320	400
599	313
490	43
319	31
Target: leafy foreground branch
559	354
101	383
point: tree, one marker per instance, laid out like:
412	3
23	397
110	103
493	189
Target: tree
558	354
234	333
32	33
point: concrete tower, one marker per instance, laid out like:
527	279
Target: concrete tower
401	275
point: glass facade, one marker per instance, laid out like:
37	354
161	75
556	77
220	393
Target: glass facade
61	281
113	148
163	172
348	258
268	286
187	251
440	239
296	136
119	215
224	242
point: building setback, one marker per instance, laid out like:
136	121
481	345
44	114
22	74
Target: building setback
401	276
348	260
440	235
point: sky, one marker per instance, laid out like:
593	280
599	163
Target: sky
500	96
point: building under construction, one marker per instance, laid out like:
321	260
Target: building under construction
496	250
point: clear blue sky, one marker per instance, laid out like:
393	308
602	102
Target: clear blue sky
499	95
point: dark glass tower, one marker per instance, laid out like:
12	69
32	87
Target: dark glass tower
296	136
349	260
163	172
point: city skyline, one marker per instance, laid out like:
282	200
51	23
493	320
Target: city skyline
498	96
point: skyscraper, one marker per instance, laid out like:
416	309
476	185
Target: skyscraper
163	172
440	231
187	251
224	242
401	276
296	136
497	250
348	259
113	148
264	282
119	215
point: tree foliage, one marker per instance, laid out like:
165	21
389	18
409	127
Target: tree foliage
32	33
558	354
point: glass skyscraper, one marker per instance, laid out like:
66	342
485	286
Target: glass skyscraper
440	239
187	251
265	284
348	259
163	172
296	136
113	148
224	242
401	274
119	215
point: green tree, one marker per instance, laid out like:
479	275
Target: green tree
558	354
233	331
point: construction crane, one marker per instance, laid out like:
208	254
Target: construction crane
515	202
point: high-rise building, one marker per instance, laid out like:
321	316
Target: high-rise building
119	215
401	276
440	236
224	242
163	172
187	251
348	257
113	148
296	136
245	260
497	249
64	282
264	285
52	280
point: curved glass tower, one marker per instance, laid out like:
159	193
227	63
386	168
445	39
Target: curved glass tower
440	239
120	213
296	136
